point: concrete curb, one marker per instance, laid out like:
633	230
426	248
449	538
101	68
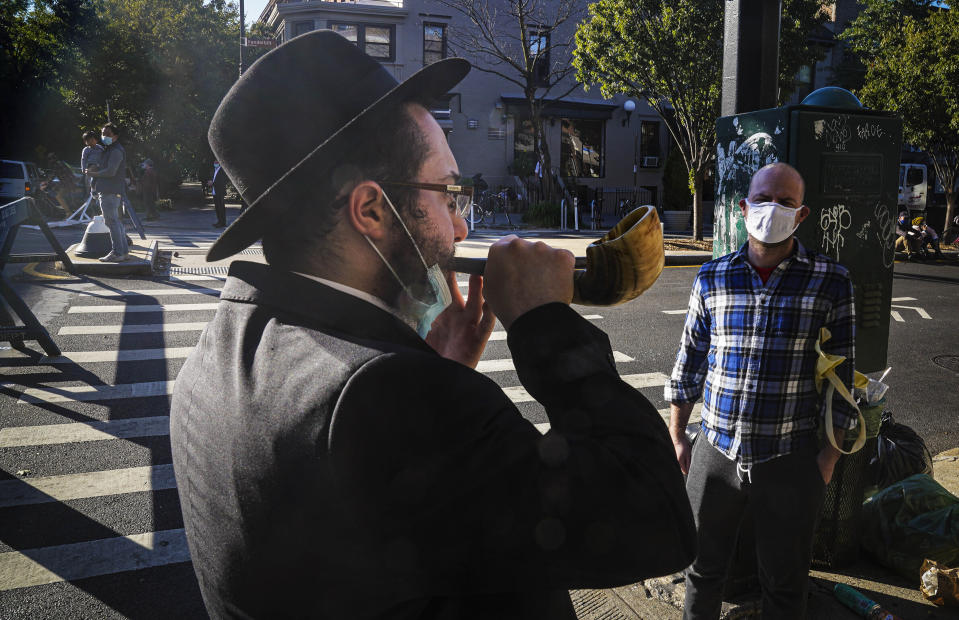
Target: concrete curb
687	259
134	266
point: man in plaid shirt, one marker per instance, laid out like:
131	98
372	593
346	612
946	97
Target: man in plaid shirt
754	318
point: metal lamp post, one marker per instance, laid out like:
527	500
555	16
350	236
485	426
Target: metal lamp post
630	106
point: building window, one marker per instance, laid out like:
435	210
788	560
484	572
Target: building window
649	144
302	28
582	148
805	79
434	43
539	51
377	41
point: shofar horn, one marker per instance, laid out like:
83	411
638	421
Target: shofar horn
619	267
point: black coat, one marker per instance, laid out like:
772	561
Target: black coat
330	464
219	183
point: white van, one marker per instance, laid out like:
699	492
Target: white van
17	179
913	187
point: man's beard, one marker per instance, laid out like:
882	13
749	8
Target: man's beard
404	259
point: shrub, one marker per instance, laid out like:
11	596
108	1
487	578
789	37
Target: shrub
544	214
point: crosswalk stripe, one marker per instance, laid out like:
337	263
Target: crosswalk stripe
141	308
45	489
70	393
694	418
151	292
125	355
36	567
519	394
194	277
507	364
62	394
87	330
49	434
683	311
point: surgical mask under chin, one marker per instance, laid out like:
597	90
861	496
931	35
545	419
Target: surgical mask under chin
770	222
419	311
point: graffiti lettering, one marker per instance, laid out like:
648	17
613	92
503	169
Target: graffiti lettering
833	221
886	233
864	231
869	130
834	133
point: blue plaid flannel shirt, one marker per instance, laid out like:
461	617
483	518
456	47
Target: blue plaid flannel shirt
752	344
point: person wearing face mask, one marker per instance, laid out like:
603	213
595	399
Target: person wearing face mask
748	348
110	187
336	453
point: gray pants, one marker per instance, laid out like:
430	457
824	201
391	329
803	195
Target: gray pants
110	207
784	496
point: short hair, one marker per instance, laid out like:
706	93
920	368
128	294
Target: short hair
113	129
90	134
392	148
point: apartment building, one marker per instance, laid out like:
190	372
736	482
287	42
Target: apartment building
594	142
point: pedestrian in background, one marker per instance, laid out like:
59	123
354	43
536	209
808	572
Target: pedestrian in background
218	184
109	185
753	321
907	239
928	237
90	159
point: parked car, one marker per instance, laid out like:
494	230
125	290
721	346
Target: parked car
18	179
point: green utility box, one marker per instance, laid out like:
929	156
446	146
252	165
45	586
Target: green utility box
849	158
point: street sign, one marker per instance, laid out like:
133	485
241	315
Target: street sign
251	42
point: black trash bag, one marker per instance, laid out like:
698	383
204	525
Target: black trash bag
900	453
910	521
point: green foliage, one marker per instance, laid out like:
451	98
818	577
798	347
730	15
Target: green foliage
164	66
524	164
800	18
913	69
671	54
542	214
676	192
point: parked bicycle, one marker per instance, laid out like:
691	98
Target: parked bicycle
488	205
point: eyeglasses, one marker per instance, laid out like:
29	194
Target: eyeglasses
461	196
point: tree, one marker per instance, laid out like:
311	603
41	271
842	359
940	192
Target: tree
912	69
671	54
164	65
527	43
38	40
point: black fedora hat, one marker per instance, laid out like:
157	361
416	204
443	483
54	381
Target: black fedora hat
311	92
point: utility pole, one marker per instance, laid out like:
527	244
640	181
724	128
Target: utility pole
242	35
751	56
109	120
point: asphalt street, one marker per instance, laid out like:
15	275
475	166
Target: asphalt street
89	515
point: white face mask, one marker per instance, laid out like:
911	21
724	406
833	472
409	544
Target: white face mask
770	222
419	311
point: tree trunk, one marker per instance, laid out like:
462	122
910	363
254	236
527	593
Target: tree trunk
952	198
698	206
542	150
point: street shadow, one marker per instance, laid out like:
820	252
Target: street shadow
158	580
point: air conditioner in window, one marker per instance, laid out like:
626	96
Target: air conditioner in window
650	162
